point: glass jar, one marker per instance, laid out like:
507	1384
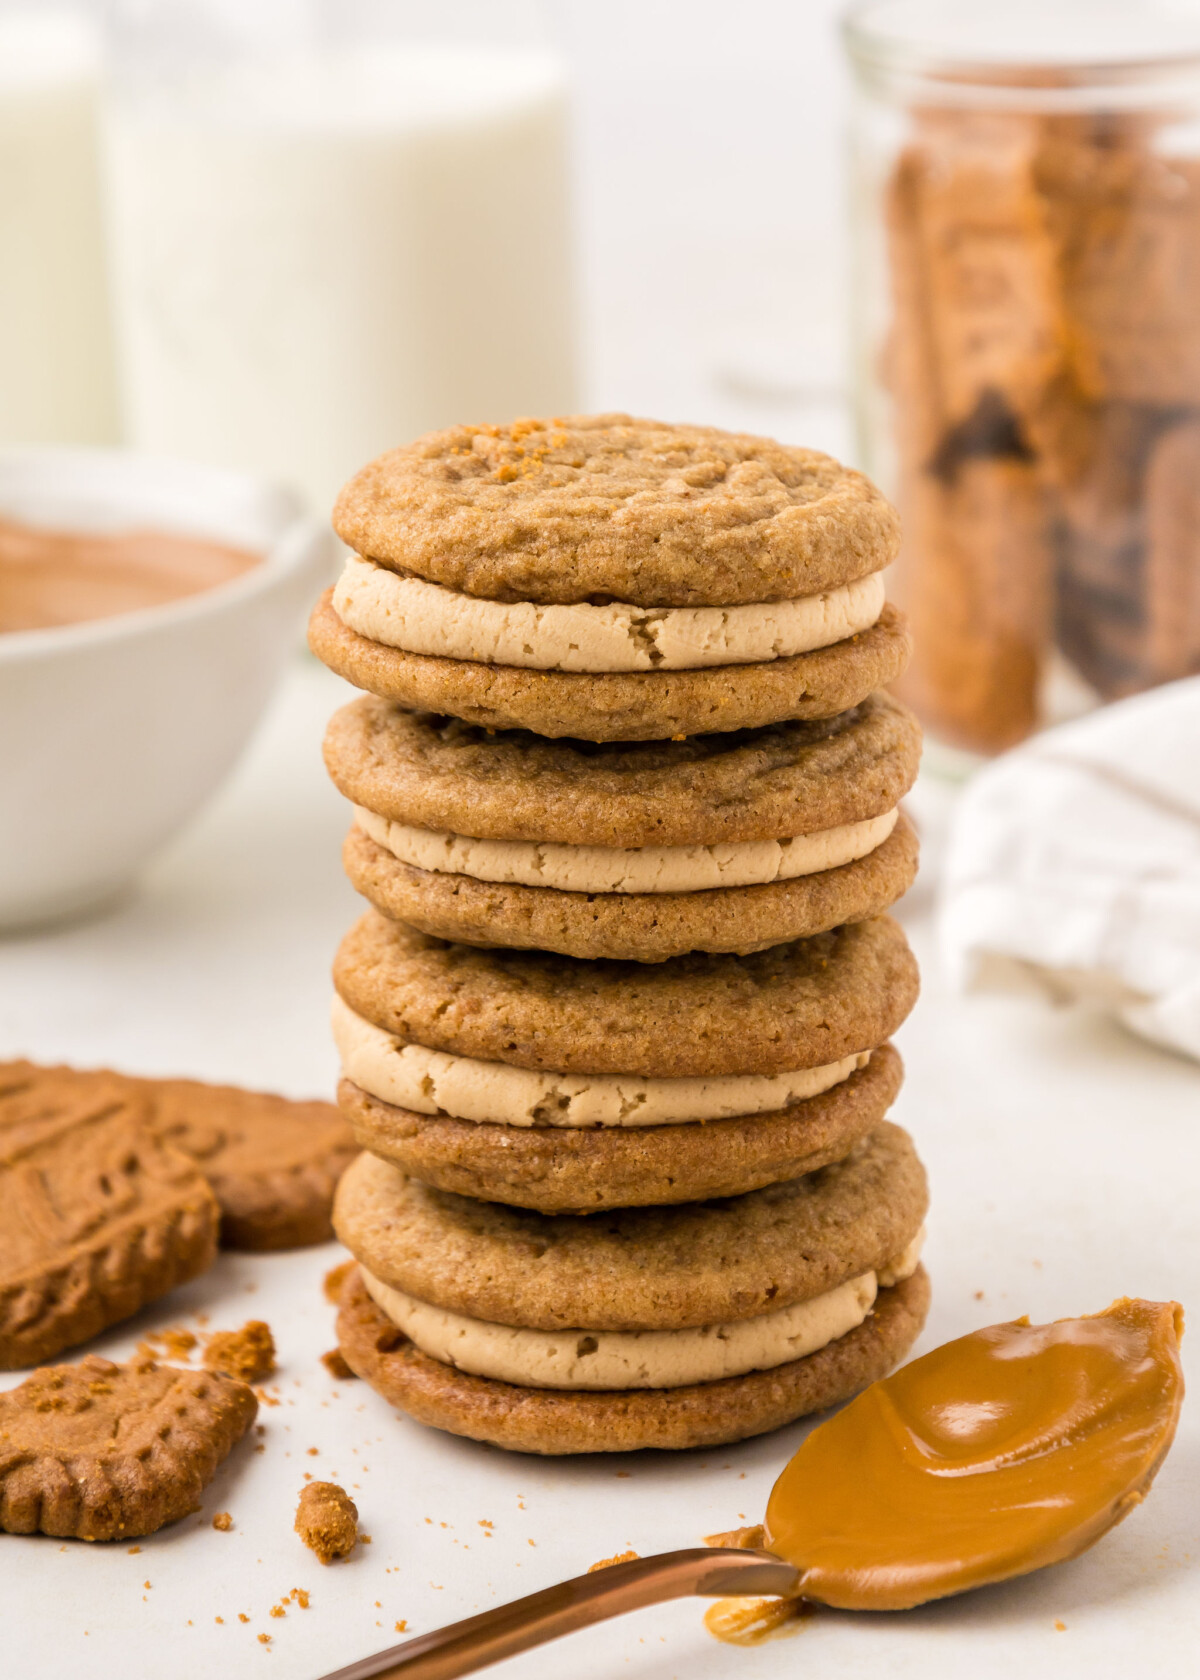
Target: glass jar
1027	208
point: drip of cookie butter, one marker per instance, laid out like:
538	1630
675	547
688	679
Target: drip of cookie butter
422	617
1012	1448
628	869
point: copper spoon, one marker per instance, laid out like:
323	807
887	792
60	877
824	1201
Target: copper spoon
465	1647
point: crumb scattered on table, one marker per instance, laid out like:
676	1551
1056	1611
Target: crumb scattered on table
327	1521
335	1279
247	1354
401	1627
336	1365
173	1343
223	1521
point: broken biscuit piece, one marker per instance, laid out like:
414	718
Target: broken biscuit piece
327	1520
247	1354
98	1451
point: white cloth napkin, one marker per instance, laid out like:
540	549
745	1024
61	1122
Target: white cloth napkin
1074	865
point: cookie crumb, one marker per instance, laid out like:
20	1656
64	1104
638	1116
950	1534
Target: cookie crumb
312	1451
264	1639
300	1596
175	1342
607	1563
219	1619
401	1627
223	1522
335	1279
1060	1627
336	1365
327	1521
277	1610
744	1539
247	1354
133	1550
242	1618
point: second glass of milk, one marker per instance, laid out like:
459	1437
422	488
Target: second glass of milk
322	252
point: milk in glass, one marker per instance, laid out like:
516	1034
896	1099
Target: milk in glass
322	257
56	369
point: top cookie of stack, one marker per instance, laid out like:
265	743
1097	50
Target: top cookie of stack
612	579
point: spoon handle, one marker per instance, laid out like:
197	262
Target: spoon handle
465	1647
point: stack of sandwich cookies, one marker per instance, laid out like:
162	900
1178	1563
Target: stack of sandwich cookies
614	1035
611	579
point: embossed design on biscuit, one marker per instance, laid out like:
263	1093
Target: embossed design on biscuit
98	1451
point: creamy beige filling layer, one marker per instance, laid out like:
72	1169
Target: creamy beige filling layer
611	1359
432	1082
620	869
422	617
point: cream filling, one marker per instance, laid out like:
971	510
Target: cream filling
433	1082
617	1359
423	617
627	869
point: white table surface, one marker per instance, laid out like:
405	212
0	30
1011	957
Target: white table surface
1065	1164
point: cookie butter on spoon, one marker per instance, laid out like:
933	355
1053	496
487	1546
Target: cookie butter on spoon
1001	1452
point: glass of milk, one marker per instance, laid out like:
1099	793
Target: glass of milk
328	239
56	367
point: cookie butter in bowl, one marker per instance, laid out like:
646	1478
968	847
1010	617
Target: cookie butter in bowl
146	609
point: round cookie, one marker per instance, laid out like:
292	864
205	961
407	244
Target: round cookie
586	1170
648	1268
562	510
557	1421
801	1005
620	705
787	778
635	927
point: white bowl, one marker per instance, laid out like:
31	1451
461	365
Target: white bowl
113	733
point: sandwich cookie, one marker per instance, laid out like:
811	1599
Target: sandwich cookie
652	1327
560	1085
727	842
612	579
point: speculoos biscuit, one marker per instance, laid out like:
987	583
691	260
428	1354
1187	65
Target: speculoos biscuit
272	1162
98	1451
98	1216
